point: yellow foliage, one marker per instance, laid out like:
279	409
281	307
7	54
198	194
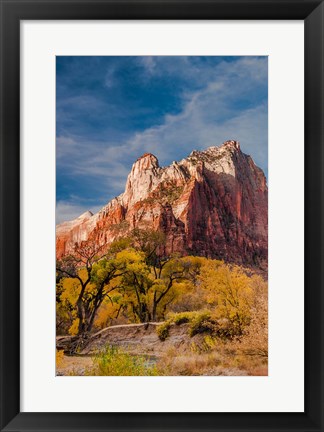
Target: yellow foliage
59	357
210	341
130	256
71	288
105	314
73	330
230	290
135	288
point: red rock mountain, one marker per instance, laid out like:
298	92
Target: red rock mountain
213	203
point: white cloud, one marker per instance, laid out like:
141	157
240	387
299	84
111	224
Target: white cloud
209	117
149	64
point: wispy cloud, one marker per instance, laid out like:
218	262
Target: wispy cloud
149	64
110	80
228	101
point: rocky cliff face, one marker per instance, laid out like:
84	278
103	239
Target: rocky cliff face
213	203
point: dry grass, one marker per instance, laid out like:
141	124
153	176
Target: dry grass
74	366
192	364
208	364
221	360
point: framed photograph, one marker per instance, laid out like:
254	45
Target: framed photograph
161	215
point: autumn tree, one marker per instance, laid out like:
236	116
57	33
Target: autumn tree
229	290
135	276
164	272
90	272
134	284
255	337
168	275
147	289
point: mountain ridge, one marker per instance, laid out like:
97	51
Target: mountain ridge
212	203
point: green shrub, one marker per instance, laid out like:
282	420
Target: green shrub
112	361
182	317
201	323
163	330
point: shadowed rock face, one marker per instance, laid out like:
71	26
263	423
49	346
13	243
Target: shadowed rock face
213	203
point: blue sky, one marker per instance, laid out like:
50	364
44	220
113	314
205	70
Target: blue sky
110	110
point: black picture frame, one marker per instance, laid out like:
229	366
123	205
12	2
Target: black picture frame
12	12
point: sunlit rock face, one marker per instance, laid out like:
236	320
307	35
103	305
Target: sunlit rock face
213	203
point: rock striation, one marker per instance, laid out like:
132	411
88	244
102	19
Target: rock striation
213	203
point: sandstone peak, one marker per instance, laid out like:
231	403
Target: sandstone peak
142	178
86	215
145	155
147	161
231	144
212	203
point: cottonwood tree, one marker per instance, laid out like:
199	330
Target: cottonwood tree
158	277
146	288
229	289
91	269
133	273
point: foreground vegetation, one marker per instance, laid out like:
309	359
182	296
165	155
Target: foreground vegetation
224	306
210	358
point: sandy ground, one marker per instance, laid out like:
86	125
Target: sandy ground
77	365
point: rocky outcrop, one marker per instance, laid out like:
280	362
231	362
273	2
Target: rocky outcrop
213	203
136	339
75	231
